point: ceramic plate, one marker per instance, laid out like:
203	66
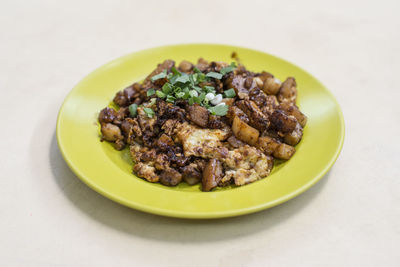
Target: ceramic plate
109	172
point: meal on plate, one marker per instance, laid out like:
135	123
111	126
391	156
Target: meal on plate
212	123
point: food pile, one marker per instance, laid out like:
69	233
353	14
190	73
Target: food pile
212	123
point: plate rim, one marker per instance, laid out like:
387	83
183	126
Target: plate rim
200	215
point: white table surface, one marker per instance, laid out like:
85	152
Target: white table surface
48	217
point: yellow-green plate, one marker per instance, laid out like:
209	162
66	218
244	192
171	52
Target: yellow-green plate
109	172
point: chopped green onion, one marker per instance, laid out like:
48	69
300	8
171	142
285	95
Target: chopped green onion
152	101
180	94
151	92
186	91
193	93
175	71
193	78
215	75
228	69
183	79
133	110
202	96
181	85
149	112
177	90
196	70
170	99
173	79
209	89
219	110
201	77
159	76
197	100
230	93
198	89
167	88
160	94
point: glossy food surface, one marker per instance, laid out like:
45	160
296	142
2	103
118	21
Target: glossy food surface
109	172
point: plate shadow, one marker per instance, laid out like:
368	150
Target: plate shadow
149	226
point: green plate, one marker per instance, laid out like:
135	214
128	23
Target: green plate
109	172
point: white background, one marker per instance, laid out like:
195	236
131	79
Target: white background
49	218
